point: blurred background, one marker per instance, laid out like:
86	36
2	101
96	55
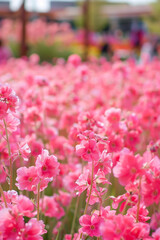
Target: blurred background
91	28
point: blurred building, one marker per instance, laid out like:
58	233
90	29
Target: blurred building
59	4
121	16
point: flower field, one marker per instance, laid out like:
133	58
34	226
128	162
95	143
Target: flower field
79	150
48	40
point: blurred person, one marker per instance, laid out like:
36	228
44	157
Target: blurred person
106	49
118	35
147	49
5	52
137	35
156	48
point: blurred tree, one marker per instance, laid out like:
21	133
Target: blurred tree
153	21
97	21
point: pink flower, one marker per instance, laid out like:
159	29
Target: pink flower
3	109
56	228
140	230
104	163
68	237
27	178
113	115
11	122
155	221
127	168
69	180
75	60
150	189
42	81
51	208
47	166
100	178
115	143
11	196
36	147
11	223
117	227
156	234
88	150
43	184
83	181
8	98
34	58
33	230
143	212
25	206
24	151
90	225
33	115
64	198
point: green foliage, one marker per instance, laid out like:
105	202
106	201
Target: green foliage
96	19
46	52
153	21
15	48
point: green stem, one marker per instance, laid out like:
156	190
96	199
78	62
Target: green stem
9	152
3	196
57	237
42	199
139	200
100	206
38	198
125	207
75	215
89	196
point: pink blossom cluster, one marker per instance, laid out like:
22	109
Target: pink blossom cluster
79	150
37	31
